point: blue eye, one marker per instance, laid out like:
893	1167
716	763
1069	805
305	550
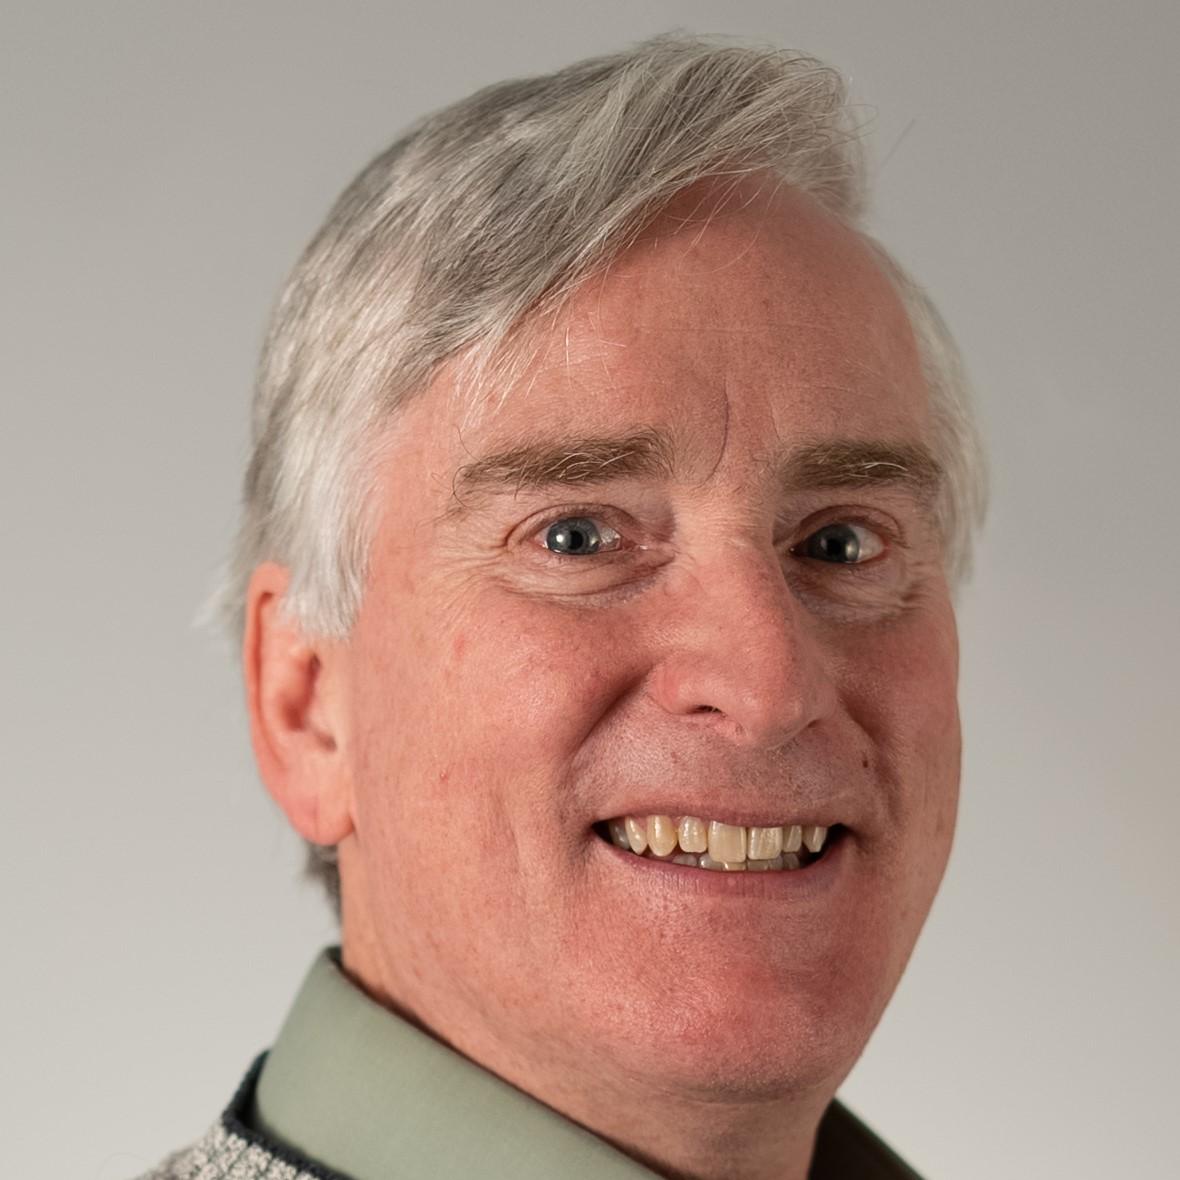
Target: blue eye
576	536
841	544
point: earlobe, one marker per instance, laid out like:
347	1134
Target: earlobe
296	712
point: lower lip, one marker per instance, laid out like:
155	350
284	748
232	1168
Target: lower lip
798	886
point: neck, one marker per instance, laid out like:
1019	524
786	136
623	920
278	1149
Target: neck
678	1135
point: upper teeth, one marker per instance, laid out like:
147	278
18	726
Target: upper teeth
729	843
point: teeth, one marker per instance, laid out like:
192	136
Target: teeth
723	866
720	847
727	842
814	837
661	834
636	834
765	843
761	866
693	834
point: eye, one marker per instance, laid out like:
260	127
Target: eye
841	543
577	536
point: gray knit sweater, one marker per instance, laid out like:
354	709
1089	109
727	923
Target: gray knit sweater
230	1150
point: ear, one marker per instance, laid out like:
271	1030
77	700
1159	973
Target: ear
297	716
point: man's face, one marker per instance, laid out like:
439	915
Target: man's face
510	686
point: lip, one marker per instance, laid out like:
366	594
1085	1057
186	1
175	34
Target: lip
796	886
737	818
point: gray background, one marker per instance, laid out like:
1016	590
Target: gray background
164	164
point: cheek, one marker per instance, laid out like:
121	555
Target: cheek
545	676
905	699
903	691
500	693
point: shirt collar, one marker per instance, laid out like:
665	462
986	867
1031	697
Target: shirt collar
360	1089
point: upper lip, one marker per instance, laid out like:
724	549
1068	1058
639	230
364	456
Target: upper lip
728	811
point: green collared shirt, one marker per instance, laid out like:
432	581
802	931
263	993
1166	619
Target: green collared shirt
363	1092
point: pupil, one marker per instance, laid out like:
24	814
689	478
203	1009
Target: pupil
840	542
574	535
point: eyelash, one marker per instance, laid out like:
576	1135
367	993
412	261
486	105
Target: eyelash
888	536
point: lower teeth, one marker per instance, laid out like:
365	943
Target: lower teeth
787	862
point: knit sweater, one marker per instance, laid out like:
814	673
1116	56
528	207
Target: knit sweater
230	1150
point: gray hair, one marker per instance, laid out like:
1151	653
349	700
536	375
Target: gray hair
481	219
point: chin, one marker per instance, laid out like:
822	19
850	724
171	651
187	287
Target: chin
743	1033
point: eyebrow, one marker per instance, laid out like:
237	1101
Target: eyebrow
541	464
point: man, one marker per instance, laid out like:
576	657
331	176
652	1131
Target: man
609	493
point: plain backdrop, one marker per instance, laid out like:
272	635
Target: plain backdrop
163	165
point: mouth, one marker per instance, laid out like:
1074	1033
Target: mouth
714	846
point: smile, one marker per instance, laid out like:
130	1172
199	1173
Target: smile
720	847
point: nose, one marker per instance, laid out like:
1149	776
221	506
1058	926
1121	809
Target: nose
743	654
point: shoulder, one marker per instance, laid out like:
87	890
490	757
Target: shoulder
232	1148
221	1152
218	1153
846	1146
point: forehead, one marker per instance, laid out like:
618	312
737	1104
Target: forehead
745	314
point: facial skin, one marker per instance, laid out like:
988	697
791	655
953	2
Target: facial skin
495	700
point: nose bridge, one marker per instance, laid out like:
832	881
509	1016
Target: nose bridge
744	649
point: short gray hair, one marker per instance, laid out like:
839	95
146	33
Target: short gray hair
486	215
